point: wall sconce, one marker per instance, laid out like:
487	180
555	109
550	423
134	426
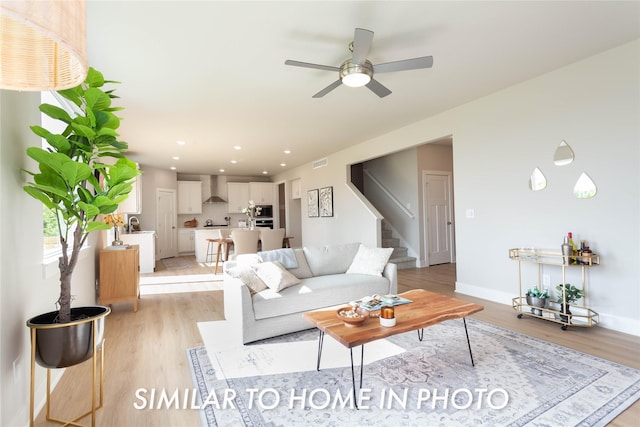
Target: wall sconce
42	45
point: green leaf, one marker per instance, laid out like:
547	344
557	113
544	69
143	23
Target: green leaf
72	95
59	142
39	195
97	225
97	99
55	112
83	130
94	78
90	210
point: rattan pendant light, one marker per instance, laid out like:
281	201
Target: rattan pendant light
42	44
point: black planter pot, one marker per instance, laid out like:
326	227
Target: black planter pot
60	345
564	310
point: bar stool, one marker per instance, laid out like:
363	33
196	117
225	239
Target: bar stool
212	250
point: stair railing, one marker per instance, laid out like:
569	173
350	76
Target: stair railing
388	193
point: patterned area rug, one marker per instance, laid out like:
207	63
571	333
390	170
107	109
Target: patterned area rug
517	380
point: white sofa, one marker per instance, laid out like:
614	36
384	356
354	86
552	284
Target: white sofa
328	275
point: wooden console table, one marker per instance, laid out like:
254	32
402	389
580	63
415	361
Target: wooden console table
120	276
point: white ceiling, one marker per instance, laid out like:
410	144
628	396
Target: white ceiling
212	73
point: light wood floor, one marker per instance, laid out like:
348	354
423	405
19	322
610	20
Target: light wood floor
147	350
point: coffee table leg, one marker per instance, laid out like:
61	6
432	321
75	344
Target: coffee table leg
420	334
320	341
468	342
353	373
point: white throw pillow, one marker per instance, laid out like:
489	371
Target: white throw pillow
275	276
370	261
248	277
248	259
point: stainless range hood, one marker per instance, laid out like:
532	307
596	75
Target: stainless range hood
210	186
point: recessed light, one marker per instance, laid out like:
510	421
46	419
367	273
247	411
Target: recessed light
180	142
220	170
234	161
283	164
237	147
287	151
173	168
264	172
176	158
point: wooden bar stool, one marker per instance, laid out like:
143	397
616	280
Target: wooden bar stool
212	245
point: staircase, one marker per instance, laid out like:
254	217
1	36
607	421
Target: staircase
399	254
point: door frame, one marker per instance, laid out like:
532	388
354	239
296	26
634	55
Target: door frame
425	218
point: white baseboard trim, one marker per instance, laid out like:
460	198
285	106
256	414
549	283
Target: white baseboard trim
617	323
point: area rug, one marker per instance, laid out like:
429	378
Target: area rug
177	263
517	380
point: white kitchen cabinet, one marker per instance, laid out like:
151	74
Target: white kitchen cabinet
237	196
189	197
262	193
133	204
296	192
186	240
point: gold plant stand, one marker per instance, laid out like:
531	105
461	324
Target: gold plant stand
96	401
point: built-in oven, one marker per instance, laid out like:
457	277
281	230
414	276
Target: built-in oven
266	211
268	223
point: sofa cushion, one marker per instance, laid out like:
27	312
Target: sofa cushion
370	261
248	277
317	292
275	276
330	259
302	271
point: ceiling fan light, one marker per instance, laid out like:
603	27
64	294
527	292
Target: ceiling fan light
356	75
356	80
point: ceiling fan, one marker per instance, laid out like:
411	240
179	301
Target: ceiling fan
358	71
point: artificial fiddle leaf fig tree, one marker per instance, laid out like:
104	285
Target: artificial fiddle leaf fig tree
83	173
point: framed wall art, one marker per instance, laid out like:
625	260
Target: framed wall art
312	203
326	201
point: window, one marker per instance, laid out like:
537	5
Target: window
51	241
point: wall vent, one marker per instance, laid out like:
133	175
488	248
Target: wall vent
320	163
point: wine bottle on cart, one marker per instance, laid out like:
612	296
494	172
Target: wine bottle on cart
574	251
566	251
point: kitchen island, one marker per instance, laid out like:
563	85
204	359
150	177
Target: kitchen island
146	240
201	242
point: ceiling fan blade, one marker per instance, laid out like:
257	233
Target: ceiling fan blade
309	65
377	88
406	64
361	45
328	89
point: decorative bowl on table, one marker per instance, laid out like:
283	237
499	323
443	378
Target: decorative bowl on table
352	316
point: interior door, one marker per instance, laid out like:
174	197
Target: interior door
167	232
437	188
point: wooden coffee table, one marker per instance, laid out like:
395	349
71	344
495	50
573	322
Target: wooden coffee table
427	309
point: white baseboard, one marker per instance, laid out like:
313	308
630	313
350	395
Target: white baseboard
617	323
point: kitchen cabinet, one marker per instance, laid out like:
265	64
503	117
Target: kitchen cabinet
296	192
237	196
186	241
262	193
133	204
189	197
146	241
119	276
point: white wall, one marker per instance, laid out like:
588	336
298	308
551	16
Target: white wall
27	287
497	142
